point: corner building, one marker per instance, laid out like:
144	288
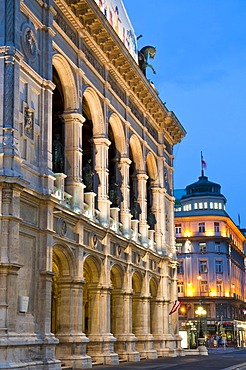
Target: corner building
211	272
87	250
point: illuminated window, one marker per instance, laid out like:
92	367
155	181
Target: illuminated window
180	269
200	205
215	205
218	266
195	206
180	287
205	205
178	229
216	227
211	205
203	268
219	288
204	286
220	206
179	247
177	209
202	247
201	227
187	207
217	247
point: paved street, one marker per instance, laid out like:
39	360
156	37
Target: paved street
218	359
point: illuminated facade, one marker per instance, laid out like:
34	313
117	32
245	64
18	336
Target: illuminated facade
87	252
211	273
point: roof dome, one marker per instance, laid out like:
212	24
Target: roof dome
203	187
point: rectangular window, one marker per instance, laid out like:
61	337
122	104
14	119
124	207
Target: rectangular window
180	268
219	288
205	205
195	206
220	205
204	286
216	227
218	266
180	287
178	228
179	247
211	205
200	205
203	268
215	205
201	227
217	247
202	247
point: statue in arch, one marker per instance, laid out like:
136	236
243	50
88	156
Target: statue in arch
88	176
143	54
58	155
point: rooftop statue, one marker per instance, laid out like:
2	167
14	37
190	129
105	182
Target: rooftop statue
143	54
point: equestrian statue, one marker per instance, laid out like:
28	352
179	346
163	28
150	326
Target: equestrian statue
143	58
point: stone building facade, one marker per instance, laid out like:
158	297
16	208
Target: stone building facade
87	250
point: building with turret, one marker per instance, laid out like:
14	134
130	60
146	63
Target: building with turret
211	272
87	252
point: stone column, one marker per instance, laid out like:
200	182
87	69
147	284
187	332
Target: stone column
156	209
101	169
125	214
72	341
73	155
101	345
125	345
143	225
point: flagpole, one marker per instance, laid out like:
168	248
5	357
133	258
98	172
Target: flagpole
202	165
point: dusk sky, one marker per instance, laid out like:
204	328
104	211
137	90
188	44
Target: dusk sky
200	68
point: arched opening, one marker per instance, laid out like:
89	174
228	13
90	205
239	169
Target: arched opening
151	181
137	317
153	304
115	178
116	303
91	300
58	127
88	162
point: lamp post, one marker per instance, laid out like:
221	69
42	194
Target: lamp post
200	312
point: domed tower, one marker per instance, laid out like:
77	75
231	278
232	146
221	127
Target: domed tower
211	264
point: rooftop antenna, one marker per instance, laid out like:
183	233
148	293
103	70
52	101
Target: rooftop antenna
203	165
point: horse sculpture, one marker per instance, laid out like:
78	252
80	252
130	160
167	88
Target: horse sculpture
143	58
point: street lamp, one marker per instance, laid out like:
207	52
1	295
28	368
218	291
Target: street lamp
200	312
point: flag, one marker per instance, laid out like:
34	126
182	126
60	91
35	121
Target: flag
204	164
175	307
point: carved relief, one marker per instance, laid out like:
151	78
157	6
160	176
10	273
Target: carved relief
61	226
29	43
28	121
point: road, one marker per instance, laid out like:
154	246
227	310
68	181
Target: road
218	359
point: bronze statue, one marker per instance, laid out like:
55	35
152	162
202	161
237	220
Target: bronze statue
143	58
58	155
88	176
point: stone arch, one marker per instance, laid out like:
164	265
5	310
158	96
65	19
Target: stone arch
118	132
153	312
91	296
152	166
67	79
137	283
96	111
137	153
117	300
64	267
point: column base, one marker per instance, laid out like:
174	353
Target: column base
101	349
71	350
144	346
126	348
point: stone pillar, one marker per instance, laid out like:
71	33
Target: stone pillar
125	214
143	225
144	339
101	168
101	345
156	209
125	345
73	155
71	349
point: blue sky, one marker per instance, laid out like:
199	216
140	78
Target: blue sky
201	75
